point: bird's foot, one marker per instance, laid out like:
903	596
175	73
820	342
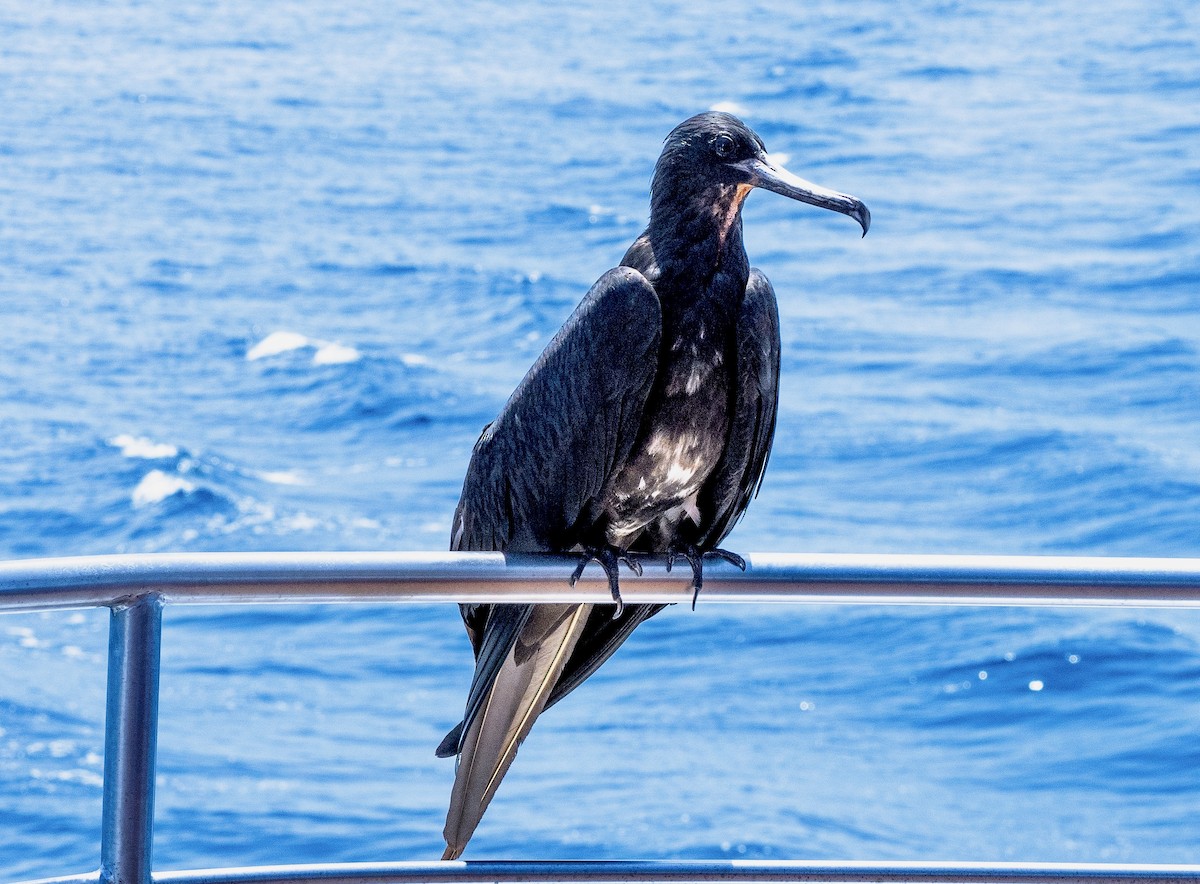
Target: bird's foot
608	558
695	558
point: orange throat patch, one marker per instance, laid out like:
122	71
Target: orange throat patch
727	214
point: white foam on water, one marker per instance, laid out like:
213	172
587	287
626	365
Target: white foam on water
281	477
330	353
141	447
157	485
276	343
327	352
83	777
299	522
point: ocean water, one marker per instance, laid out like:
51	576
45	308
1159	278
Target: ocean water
266	269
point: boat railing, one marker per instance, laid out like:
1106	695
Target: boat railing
136	587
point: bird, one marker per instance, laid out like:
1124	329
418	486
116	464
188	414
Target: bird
643	428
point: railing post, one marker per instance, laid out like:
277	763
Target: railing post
130	741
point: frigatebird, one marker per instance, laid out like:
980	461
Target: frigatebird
644	427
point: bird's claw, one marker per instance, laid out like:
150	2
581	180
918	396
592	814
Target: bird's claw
731	557
695	558
609	558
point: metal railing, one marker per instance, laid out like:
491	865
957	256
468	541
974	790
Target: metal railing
136	587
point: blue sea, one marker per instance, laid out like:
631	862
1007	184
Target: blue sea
267	268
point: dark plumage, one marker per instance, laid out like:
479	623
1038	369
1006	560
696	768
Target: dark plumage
644	427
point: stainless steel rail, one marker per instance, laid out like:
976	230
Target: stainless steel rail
136	587
654	872
289	578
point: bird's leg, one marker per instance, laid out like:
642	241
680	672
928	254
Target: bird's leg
695	558
609	558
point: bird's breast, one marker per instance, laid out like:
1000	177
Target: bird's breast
682	438
691	365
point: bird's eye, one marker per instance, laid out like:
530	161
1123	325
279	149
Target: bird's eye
723	145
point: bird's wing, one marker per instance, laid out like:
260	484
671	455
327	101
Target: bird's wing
533	475
737	477
573	418
551	650
601	637
518	695
556	441
733	483
494	630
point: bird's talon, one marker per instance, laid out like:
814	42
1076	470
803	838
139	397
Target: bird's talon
614	586
731	557
695	558
608	558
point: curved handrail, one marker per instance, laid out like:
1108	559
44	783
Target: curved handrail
307	577
677	872
135	588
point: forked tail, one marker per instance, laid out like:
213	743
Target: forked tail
517	697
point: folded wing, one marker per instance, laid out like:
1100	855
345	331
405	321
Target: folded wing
535	472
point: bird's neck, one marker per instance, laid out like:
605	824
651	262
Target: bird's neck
696	259
698	232
713	204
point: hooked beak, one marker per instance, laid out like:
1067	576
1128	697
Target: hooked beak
762	173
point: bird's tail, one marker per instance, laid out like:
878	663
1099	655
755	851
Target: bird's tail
517	697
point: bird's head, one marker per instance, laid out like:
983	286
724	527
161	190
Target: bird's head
715	159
